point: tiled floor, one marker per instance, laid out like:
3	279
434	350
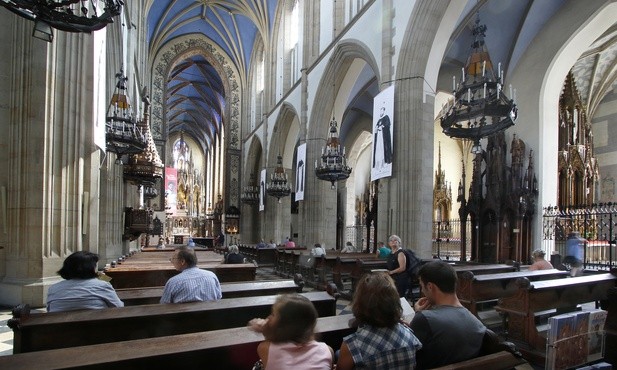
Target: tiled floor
6	334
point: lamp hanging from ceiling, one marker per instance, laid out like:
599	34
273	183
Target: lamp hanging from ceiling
122	133
278	186
333	164
250	193
65	15
480	107
145	167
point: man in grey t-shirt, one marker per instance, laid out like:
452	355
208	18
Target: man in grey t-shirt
448	331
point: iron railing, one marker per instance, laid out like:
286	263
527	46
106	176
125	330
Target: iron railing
596	223
447	240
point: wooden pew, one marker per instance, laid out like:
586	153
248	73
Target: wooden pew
127	276
345	263
610	327
231	349
502	360
42	331
483	269
228	349
362	267
530	297
152	295
473	289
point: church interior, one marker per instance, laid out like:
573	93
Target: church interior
478	131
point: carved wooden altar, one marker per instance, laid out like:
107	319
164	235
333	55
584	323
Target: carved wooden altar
501	202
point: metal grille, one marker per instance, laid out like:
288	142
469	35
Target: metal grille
447	240
597	224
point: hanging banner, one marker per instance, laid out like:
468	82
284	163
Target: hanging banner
171	189
383	127
300	171
262	190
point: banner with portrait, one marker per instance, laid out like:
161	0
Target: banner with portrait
262	190
300	171
171	189
383	129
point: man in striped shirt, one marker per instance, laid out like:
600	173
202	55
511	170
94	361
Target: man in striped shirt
192	283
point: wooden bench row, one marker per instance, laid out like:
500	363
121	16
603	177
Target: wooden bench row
473	289
234	348
519	309
42	331
152	295
131	276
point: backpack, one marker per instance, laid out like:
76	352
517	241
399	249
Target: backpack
413	262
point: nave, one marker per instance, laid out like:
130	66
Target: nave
487	315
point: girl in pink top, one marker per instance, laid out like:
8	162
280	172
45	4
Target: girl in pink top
289	334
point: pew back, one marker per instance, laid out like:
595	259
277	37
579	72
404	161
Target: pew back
228	349
35	332
152	295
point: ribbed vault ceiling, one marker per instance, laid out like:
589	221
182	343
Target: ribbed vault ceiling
196	99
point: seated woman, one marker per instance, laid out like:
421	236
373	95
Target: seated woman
289	333
382	341
233	256
81	290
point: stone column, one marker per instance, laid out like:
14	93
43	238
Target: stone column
49	129
410	203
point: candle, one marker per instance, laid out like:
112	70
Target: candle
453	83
463	69
469	95
484	94
499	70
483	68
510	90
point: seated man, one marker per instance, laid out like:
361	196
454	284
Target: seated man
448	331
382	251
318	250
261	244
192	283
539	263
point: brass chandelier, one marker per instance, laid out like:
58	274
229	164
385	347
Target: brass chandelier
333	164
278	186
480	107
65	15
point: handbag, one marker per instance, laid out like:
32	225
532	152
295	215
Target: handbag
258	365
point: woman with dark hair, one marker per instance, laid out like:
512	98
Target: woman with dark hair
289	333
81	290
382	341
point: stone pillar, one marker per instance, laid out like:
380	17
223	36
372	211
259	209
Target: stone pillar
410	205
51	158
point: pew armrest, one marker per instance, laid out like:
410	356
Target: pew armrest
20	312
491	343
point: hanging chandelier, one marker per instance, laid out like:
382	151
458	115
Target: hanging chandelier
122	133
145	167
333	165
250	193
65	15
480	107
278	186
